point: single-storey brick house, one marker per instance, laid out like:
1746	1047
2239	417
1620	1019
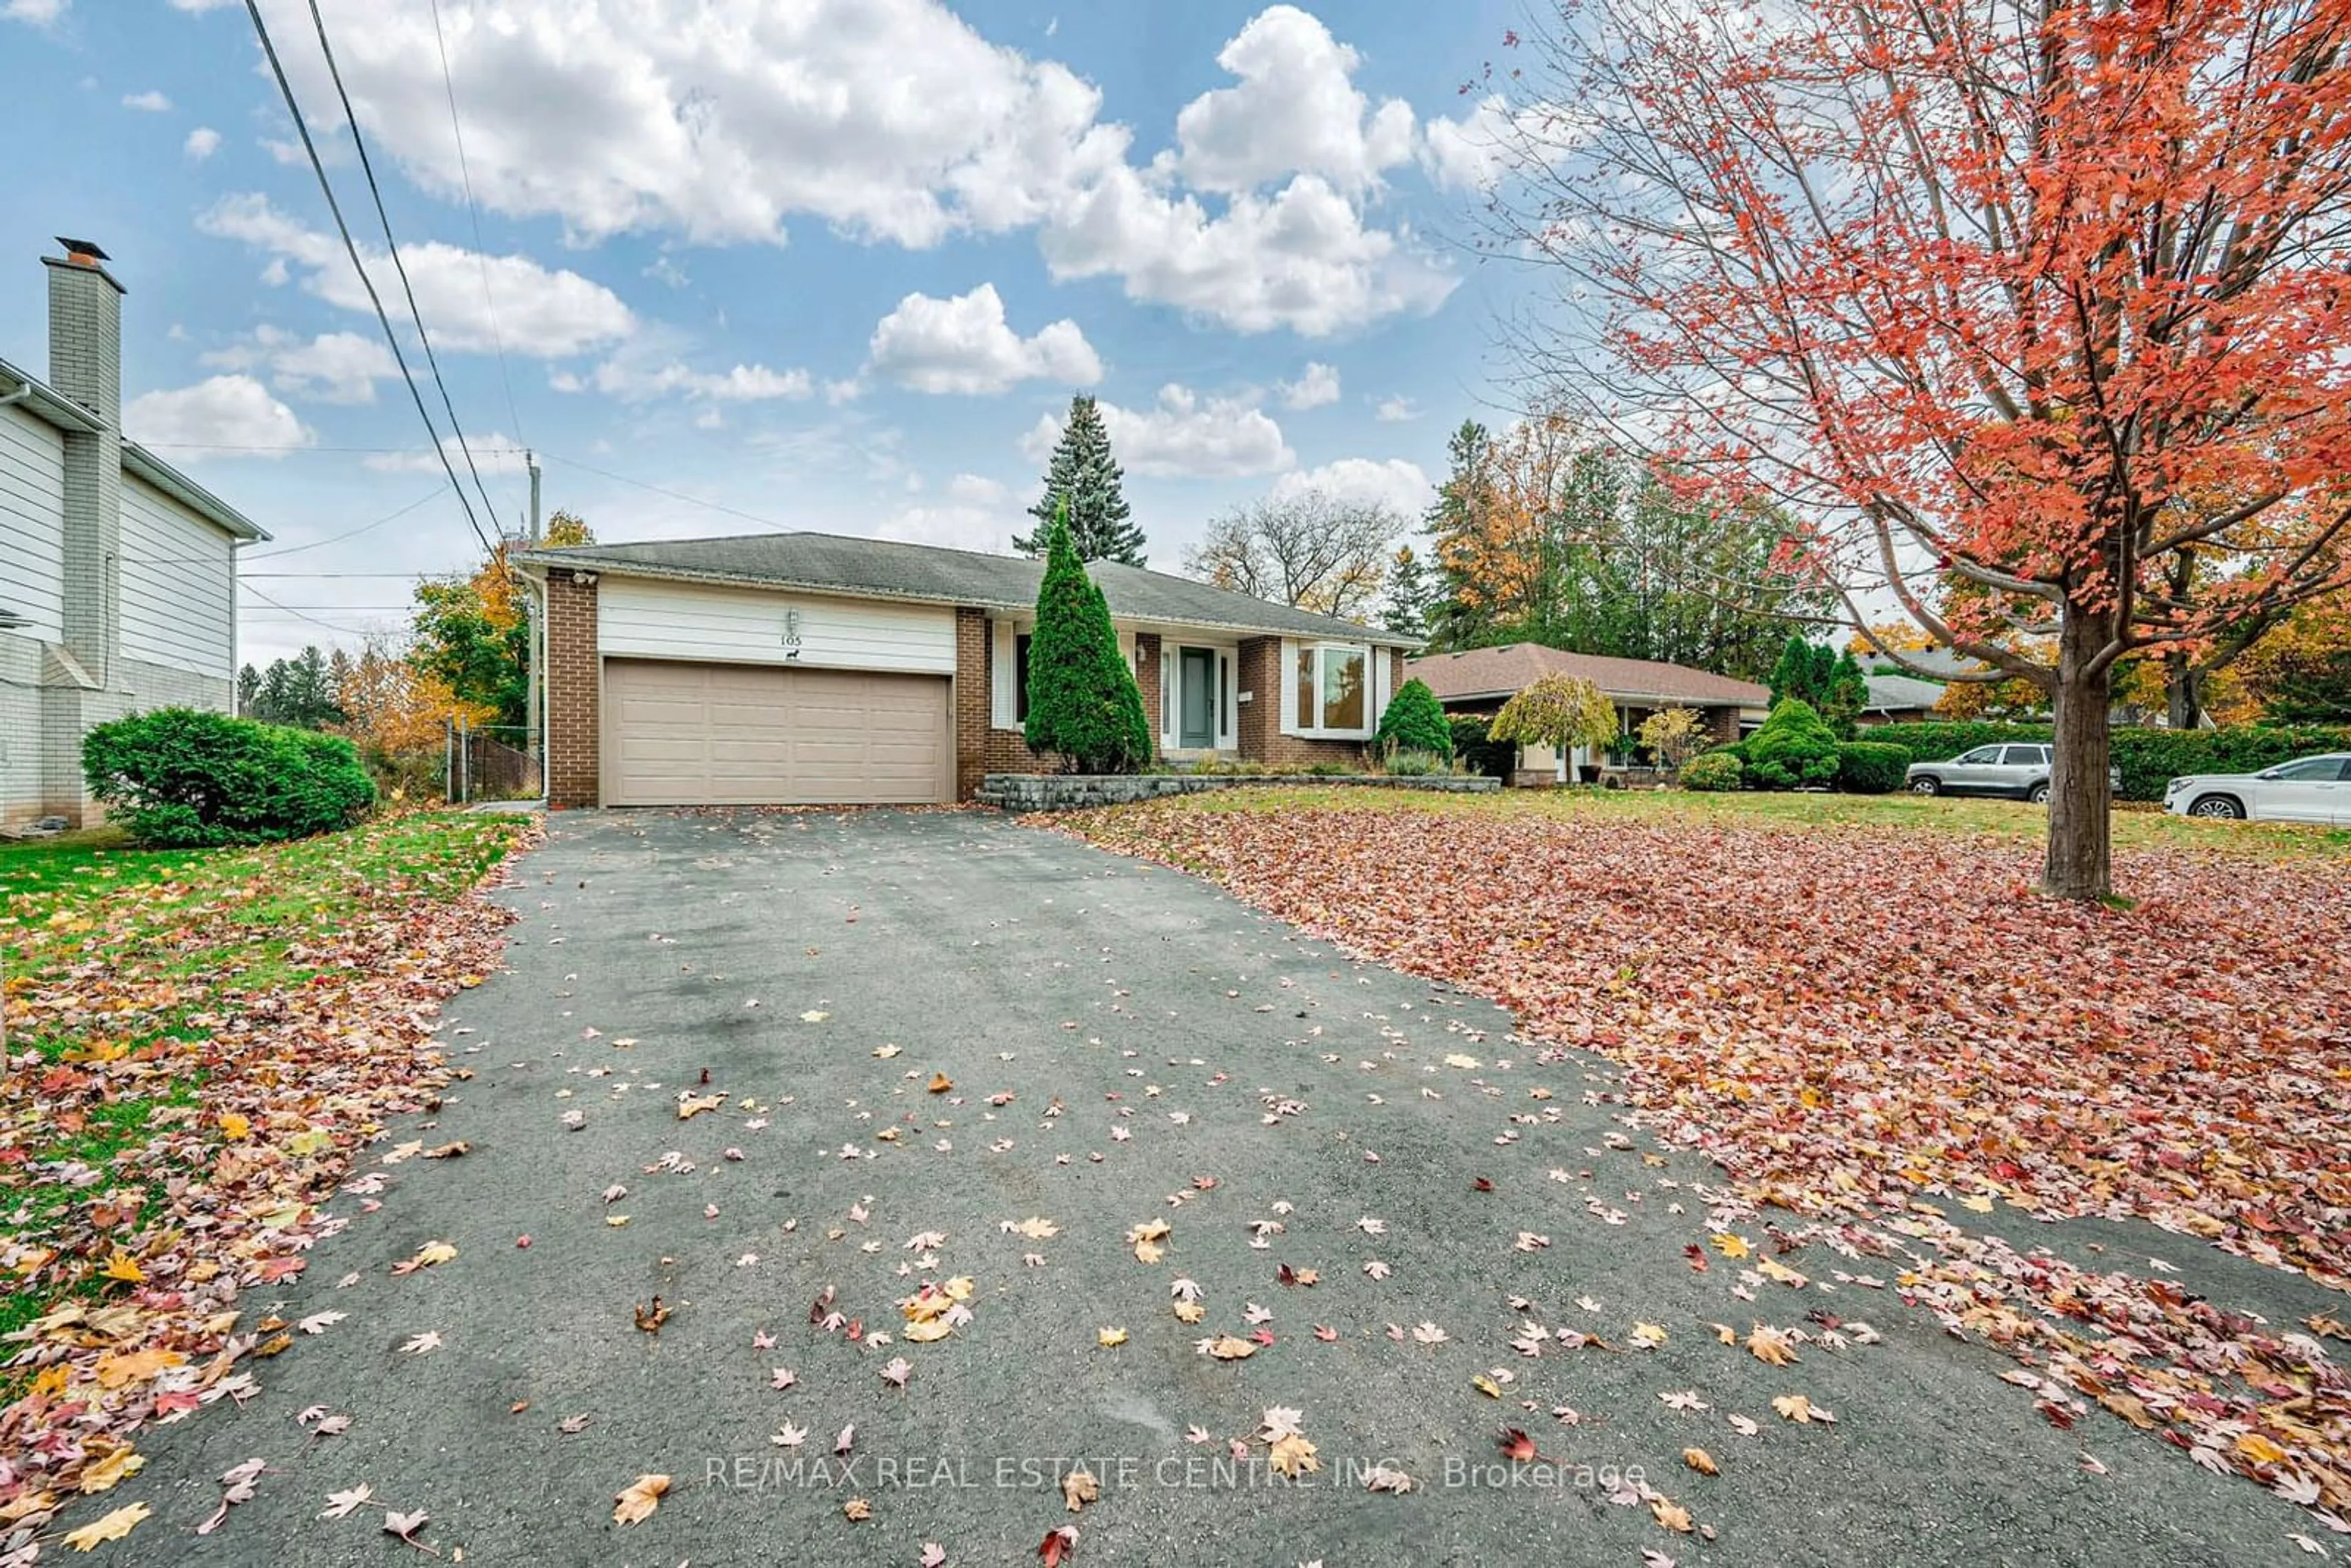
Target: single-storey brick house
1482	679
809	668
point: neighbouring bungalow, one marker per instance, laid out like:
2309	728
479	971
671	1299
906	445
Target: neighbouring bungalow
1898	699
1482	679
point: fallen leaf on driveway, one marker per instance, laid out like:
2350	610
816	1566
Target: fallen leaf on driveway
109	1527
427	1255
636	1501
1079	1488
342	1503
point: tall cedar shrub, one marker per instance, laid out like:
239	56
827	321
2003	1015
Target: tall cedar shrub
1415	721
188	778
1083	705
1794	747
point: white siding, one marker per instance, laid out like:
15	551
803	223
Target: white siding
644	618
179	586
33	523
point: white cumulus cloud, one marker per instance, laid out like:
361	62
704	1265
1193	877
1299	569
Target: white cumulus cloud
1317	384
221	412
1182	434
535	310
39	13
148	102
964	345
1394	483
201	143
1296	110
334	366
897	122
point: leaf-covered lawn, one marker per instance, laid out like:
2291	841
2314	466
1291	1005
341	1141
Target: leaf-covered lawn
1861	1009
197	1043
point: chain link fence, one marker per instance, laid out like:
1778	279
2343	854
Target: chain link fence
491	762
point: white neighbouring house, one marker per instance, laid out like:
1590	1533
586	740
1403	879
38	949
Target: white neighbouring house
118	572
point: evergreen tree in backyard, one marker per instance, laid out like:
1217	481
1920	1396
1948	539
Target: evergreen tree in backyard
1083	474
1083	705
1847	695
1792	676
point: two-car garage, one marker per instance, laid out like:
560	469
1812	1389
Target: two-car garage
680	733
722	697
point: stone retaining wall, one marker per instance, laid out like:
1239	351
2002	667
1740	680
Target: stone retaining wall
1074	792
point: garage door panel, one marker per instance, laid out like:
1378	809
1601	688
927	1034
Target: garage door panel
683	734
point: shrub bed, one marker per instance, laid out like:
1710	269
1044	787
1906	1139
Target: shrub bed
1870	767
186	779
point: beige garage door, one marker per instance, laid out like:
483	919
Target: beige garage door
758	735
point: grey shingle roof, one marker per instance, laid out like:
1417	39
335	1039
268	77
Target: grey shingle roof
1889	694
887	569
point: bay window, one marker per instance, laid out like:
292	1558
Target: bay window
1331	684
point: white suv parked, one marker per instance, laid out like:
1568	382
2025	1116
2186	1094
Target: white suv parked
2018	773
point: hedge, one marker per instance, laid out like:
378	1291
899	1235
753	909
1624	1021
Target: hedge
1713	771
1870	767
2149	758
188	778
1472	745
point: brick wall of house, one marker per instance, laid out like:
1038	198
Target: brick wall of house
1147	677
1261	739
573	693
1722	723
973	737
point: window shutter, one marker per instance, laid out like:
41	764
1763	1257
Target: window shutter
1166	697
1227	703
1286	680
1001	704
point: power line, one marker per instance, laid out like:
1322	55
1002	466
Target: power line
350	247
367	167
338	538
298	615
481	252
661	490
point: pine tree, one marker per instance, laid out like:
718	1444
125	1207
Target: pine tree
1084	475
1406	610
1847	695
1083	705
1792	676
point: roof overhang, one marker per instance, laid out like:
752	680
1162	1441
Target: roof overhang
51	406
139	461
44	402
540	564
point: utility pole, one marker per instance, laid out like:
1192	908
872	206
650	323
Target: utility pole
531	643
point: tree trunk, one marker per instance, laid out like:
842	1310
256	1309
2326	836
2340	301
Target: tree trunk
2183	693
2081	841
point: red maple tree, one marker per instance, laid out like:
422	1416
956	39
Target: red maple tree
2019	306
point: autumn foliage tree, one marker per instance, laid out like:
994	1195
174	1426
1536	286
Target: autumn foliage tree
1561	711
2026	296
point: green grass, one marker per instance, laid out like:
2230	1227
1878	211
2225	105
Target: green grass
180	934
2133	829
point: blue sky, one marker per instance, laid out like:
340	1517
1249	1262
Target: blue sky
825	264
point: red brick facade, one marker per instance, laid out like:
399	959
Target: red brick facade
574	690
1261	676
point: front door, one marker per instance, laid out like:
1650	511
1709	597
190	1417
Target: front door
1196	708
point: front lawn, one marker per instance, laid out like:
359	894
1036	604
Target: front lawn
1855	998
1862	1009
197	1041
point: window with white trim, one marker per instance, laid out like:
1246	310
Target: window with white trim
1332	683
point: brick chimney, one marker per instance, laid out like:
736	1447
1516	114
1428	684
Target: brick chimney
86	365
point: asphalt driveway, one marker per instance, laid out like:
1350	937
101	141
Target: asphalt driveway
1113	1046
